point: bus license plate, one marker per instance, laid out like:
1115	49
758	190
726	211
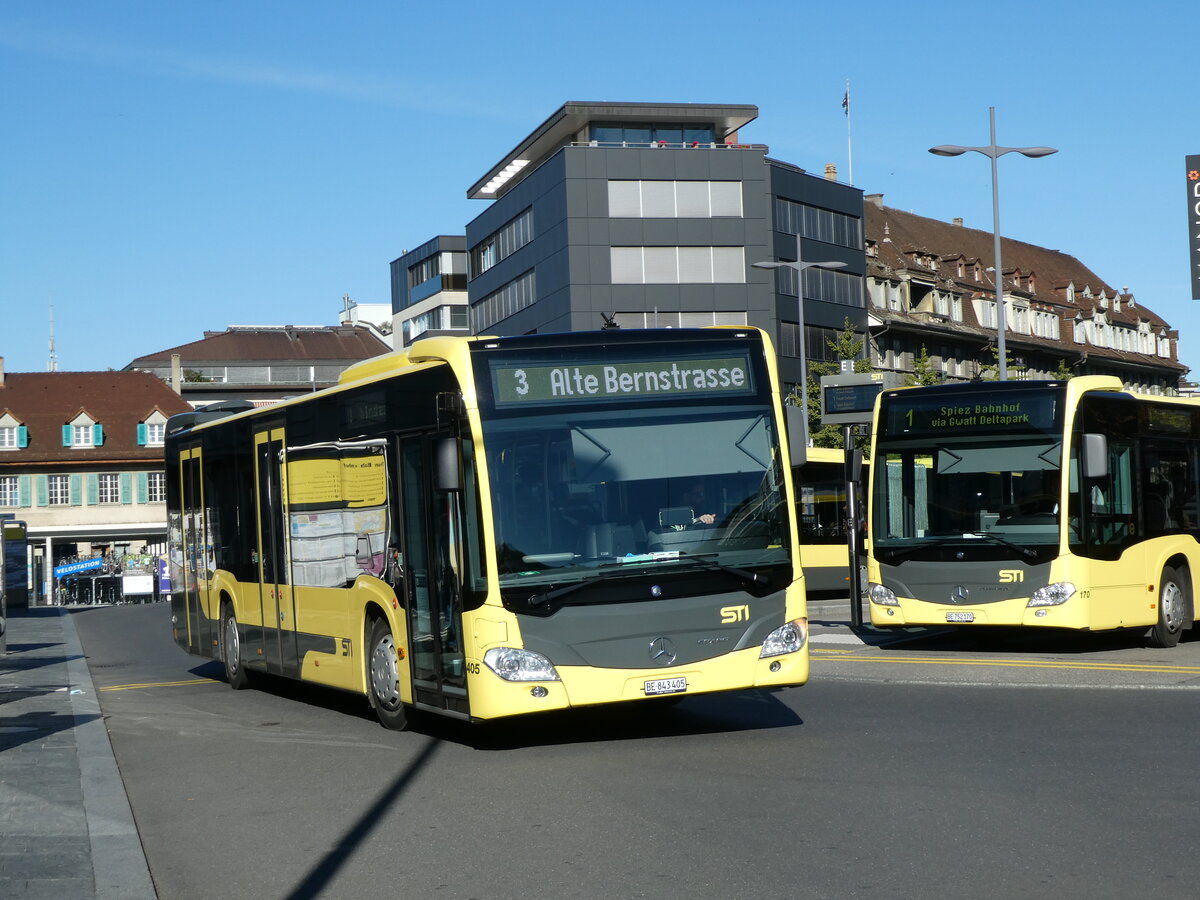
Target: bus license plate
960	617
666	686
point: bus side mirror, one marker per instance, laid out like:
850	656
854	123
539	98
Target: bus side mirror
797	434
1095	456
447	477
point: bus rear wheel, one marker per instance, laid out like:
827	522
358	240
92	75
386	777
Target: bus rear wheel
383	677
1172	608
231	649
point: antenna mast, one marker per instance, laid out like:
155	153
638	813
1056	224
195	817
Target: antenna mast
52	362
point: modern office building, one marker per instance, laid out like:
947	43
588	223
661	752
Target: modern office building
642	215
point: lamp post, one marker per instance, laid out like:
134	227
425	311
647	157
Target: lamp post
994	152
799	266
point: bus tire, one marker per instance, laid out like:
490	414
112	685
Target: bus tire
383	677
1172	609
231	649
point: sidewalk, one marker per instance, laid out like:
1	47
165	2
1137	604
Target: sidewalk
66	830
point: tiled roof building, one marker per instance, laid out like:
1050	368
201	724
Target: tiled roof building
81	460
931	285
263	363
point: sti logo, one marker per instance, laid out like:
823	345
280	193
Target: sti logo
1011	576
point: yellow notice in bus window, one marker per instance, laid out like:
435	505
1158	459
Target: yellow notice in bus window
337	482
364	481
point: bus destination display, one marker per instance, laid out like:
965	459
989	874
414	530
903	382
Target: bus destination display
991	412
525	384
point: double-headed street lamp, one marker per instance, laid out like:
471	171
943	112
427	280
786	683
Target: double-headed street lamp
994	153
799	266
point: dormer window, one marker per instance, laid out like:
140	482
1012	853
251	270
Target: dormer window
83	431
13	435
152	431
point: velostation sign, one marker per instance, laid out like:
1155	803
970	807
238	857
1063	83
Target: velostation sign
1192	168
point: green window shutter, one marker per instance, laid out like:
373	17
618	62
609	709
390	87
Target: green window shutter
22	436
97	435
75	484
126	487
66	435
141	434
23	488
93	489
143	486
43	490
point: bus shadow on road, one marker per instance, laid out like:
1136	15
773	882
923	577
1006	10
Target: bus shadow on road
1005	639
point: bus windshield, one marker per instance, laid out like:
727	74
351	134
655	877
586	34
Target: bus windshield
959	476
576	489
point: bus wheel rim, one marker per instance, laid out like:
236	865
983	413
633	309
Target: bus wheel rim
384	675
233	647
1172	606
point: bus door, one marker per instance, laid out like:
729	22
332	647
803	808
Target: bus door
432	554
275	597
198	558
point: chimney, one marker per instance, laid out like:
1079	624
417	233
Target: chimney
831	171
176	374
1	371
957	220
877	199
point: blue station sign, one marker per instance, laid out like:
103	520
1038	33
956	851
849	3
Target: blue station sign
84	565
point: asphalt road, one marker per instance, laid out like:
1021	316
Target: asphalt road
857	785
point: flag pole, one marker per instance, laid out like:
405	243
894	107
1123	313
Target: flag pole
849	143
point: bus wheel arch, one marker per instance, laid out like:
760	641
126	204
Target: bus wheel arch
1174	605
383	673
231	646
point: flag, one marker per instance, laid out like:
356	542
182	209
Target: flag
846	101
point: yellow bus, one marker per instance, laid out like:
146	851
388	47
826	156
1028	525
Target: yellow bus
1064	504
820	483
488	527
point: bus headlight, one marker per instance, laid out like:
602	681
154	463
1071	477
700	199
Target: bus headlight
512	664
882	596
785	639
1052	594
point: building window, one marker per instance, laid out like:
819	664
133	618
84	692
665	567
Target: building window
58	490
818	224
156	487
674	199
502	243
13	437
10	490
826	285
618	135
110	488
665	319
427	268
678	265
81	436
503	302
444	318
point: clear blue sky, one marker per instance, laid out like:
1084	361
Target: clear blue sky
171	167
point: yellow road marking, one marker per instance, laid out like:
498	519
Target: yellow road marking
1023	664
149	684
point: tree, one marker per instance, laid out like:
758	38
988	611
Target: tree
1064	372
923	370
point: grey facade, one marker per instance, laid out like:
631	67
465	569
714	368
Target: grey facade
653	215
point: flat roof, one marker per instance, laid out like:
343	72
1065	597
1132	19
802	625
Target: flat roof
565	122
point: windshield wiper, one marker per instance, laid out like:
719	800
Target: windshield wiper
541	598
1027	552
894	556
744	575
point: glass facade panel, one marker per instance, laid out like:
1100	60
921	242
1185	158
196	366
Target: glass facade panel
726	198
658	199
661	264
625	199
729	265
696	265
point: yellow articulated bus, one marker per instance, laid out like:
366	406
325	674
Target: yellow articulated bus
1067	504
488	527
820	483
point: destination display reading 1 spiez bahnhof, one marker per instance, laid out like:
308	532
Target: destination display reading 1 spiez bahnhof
524	384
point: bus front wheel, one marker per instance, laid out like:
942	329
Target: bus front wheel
383	676
231	649
1172	608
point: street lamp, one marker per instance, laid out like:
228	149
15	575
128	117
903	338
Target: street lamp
799	266
994	153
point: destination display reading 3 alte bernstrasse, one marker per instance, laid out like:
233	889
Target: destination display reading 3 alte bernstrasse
644	379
